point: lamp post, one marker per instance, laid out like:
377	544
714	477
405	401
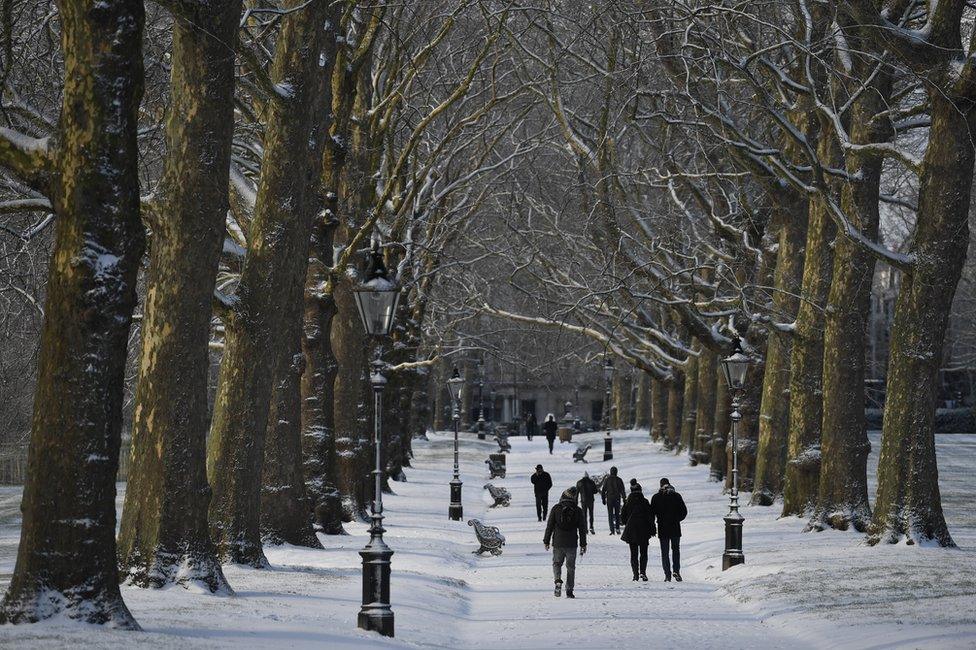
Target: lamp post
734	367
376	301
455	511
481	395
608	381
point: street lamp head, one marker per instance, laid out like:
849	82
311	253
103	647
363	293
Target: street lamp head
735	366
377	297
454	386
608	370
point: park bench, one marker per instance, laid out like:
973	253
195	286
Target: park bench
495	468
501	496
504	445
489	537
579	456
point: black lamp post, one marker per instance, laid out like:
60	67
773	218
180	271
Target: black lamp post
481	395
376	300
455	511
608	381
734	367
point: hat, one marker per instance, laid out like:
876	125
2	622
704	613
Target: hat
538	466
633	481
664	482
635	487
570	493
613	470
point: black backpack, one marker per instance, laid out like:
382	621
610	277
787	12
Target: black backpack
567	517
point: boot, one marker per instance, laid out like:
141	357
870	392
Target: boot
636	577
677	577
559	589
643	577
569	593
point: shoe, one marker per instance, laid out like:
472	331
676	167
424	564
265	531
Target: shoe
677	577
569	594
643	577
592	532
611	532
667	578
559	589
636	578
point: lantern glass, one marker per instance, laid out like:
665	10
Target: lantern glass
735	366
377	302
454	387
608	371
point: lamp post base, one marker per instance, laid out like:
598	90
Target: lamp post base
455	511
375	614
733	555
608	448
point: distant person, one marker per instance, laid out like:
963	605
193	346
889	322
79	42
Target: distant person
670	510
586	487
541	484
531	425
612	493
549	427
565	529
638	521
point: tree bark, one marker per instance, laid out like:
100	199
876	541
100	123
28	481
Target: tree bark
642	406
705	417
676	392
774	410
720	430
689	403
164	537
659	411
276	260
66	561
908	504
621	395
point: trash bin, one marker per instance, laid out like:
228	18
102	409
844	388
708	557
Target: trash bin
565	434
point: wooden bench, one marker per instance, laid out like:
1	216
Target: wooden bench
501	496
489	537
579	456
495	469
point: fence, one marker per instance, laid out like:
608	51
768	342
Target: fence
13	463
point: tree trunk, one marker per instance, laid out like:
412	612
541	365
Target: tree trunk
774	410
705	418
689	403
908	504
676	391
806	377
164	537
276	260
642	404
720	430
66	561
621	399
286	515
659	411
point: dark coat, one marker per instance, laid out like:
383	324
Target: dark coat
549	427
638	519
670	510
559	537
587	490
541	483
613	489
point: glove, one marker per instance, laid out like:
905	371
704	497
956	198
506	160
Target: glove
582	550
547	547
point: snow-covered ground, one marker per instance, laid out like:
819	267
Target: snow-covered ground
797	589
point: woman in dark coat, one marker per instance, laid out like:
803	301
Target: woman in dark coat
638	521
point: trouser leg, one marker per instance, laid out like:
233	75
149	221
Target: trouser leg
538	507
558	556
665	562
570	568
633	558
643	559
589	508
676	554
545	506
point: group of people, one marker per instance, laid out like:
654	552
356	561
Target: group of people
566	523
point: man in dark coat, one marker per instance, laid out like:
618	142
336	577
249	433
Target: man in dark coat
638	521
587	494
613	493
531	425
565	529
549	427
670	510
541	484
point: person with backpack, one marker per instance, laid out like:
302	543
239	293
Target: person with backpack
549	427
670	510
541	484
638	521
612	493
565	530
586	487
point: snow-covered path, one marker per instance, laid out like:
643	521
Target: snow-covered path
797	590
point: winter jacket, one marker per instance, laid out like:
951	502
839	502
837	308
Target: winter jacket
638	519
541	483
613	490
560	537
550	427
587	490
670	510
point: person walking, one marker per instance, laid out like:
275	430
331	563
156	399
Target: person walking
586	487
531	425
565	530
638	521
549	427
612	493
541	484
670	510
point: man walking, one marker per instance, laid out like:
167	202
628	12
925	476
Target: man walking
613	493
587	495
549	427
541	484
670	510
565	529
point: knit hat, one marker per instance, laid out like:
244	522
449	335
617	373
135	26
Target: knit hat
633	481
635	487
538	466
569	494
664	482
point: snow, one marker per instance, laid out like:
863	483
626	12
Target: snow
796	590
